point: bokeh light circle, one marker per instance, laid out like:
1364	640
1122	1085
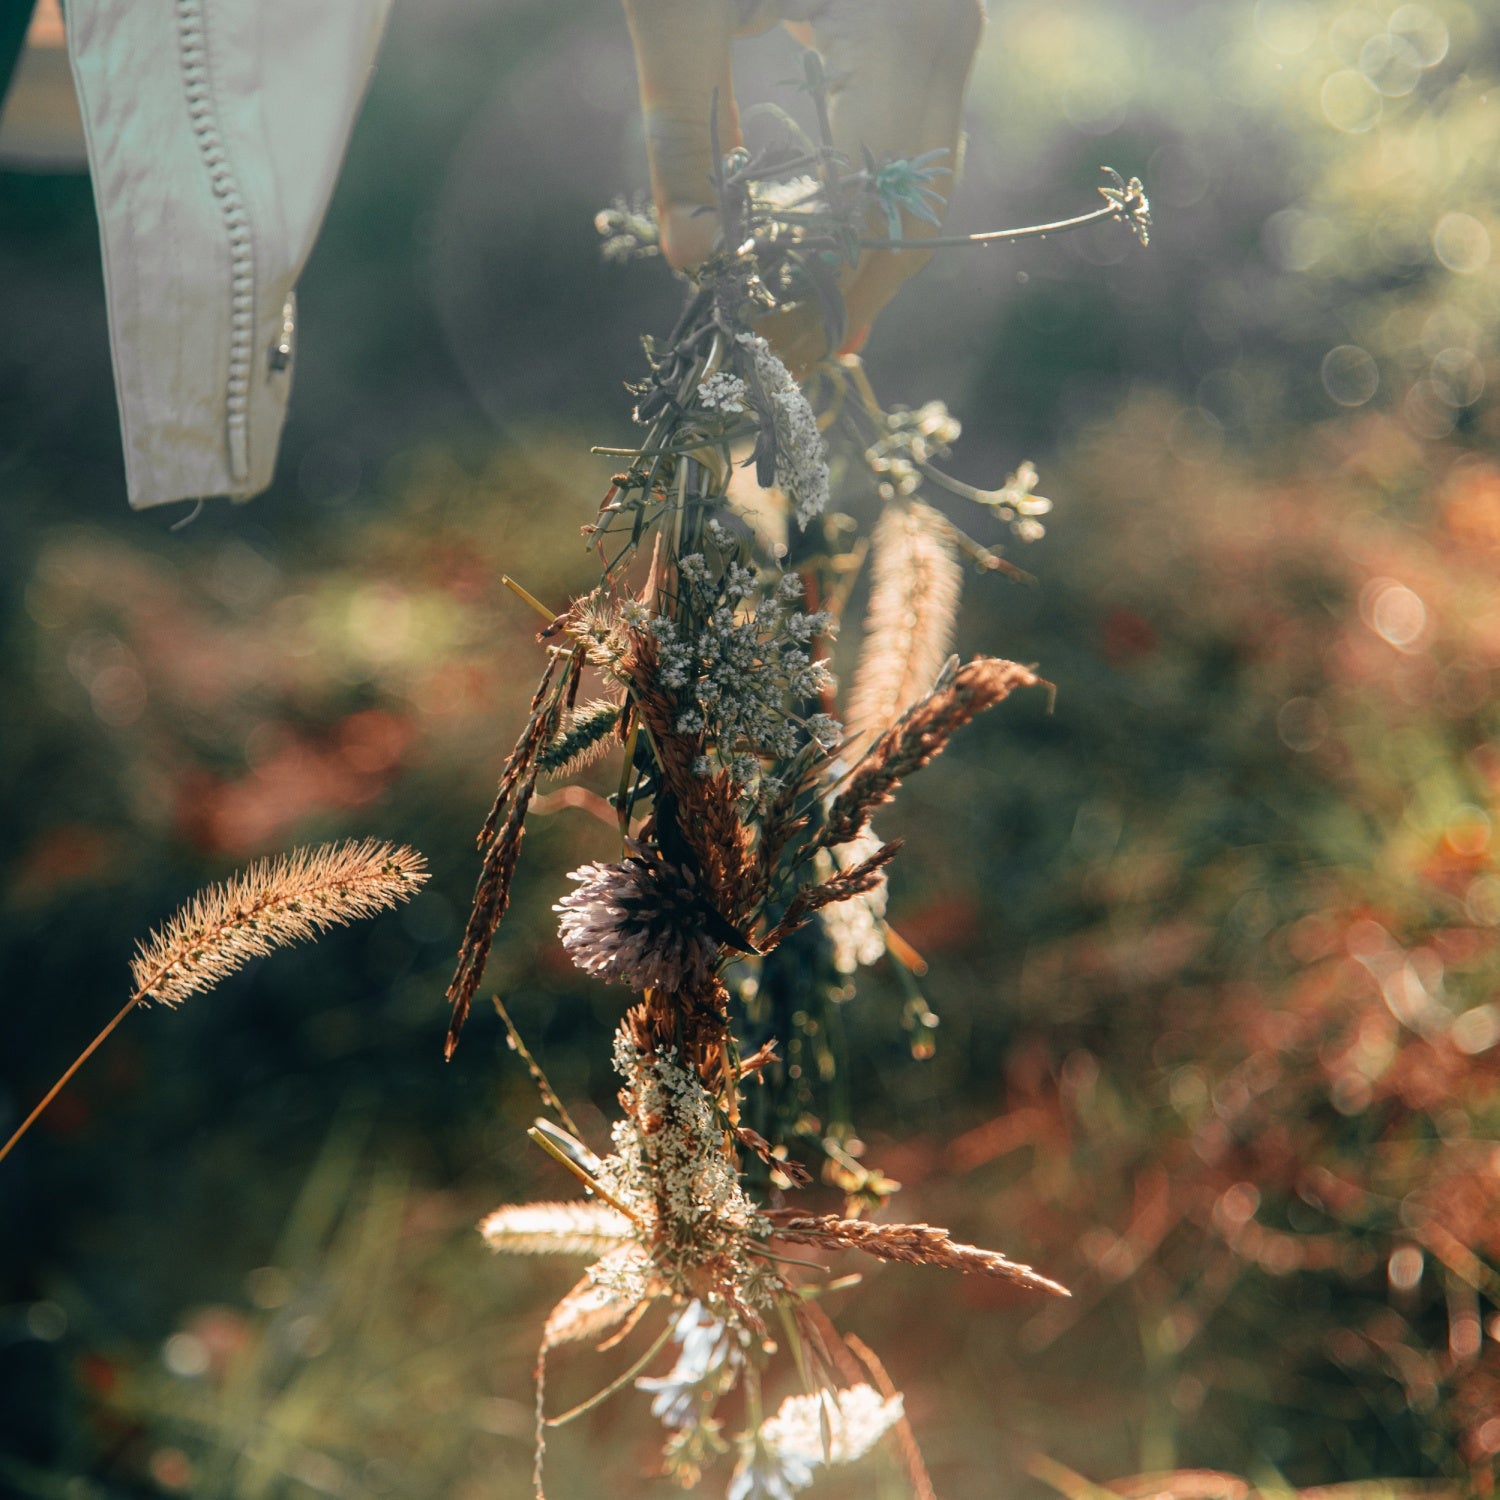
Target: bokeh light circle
1427	413
1390	63
1461	242
1423	31
1351	103
1297	240
1286	26
1394	612
1350	375
1302	724
1457	376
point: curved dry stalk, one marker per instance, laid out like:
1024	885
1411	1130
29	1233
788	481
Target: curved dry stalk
911	1455
66	1078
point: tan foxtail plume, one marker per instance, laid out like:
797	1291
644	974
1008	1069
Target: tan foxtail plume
273	903
915	581
578	1228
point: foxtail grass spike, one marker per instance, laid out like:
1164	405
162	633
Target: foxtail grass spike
274	903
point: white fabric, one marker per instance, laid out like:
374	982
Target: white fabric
216	129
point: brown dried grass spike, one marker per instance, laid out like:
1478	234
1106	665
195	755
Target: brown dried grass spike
862	877
915	1244
920	736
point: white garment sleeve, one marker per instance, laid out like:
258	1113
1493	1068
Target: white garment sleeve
215	129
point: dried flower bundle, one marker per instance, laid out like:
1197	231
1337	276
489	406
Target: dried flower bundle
743	807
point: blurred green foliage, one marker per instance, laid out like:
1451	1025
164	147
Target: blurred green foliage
1214	944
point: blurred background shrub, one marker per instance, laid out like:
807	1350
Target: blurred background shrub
1213	945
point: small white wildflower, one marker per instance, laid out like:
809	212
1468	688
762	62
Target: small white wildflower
624	1277
854	927
1015	502
767	1475
1018	490
826	730
852	1421
723	391
935	422
710	1354
804	628
739	582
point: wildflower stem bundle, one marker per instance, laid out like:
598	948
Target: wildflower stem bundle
746	886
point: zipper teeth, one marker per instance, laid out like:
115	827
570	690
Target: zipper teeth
192	51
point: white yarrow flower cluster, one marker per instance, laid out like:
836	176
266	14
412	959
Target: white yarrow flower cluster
675	1177
808	1431
801	454
722	391
740	674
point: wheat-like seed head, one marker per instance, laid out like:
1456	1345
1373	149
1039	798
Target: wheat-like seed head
915	583
273	903
557	1229
916	1244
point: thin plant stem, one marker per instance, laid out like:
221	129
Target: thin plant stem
528	597
62	1082
589	1182
998	236
618	1384
916	1469
548	1093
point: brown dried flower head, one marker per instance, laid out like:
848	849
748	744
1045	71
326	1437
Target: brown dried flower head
642	921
